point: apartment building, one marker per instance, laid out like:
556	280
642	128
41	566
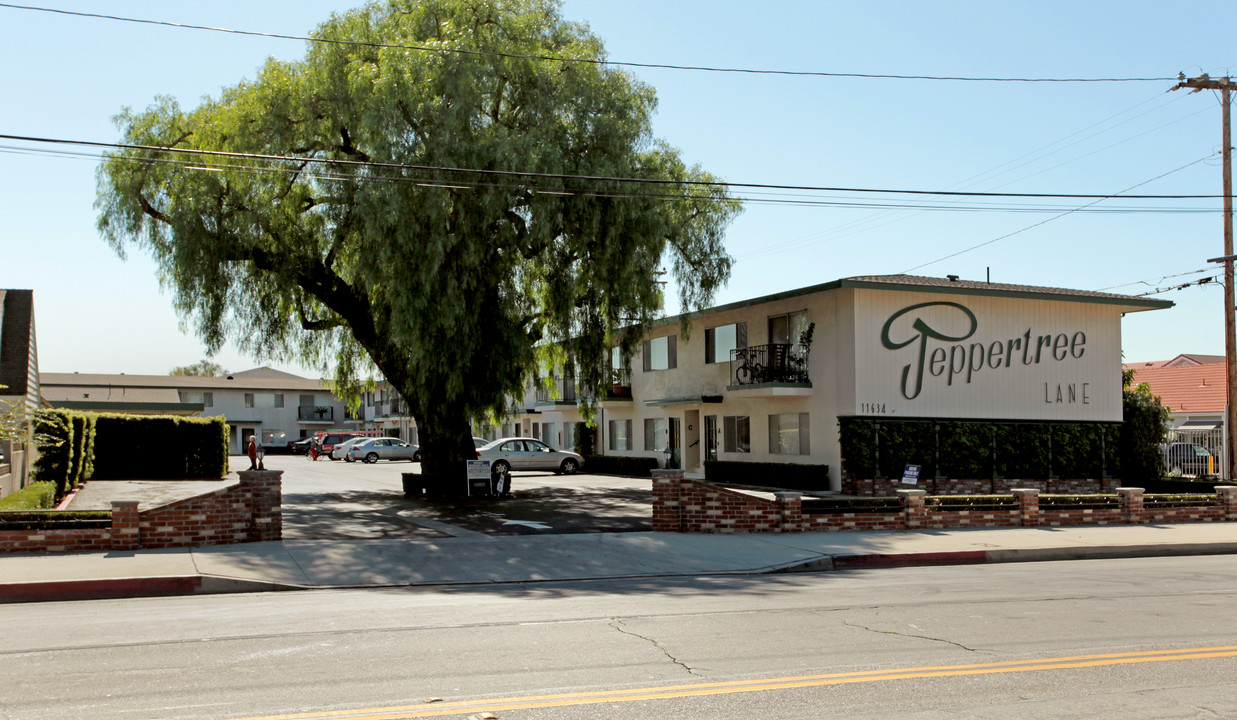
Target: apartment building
276	406
767	379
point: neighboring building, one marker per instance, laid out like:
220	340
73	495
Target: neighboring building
1194	388
742	385
276	406
383	409
19	374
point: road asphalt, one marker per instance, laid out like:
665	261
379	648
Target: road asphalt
455	555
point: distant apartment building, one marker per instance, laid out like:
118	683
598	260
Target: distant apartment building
275	406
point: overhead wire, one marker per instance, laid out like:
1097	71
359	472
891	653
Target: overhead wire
1056	217
590	61
717	184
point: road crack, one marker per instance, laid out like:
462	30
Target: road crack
618	624
911	635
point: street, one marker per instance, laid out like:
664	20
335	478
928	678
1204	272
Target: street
1144	638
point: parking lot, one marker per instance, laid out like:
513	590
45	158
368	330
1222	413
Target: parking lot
326	499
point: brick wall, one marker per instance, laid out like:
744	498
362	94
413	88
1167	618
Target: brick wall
249	511
696	506
885	487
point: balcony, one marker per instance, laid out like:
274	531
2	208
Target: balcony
777	368
563	392
315	413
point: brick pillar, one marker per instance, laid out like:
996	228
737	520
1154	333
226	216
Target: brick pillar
126	525
667	500
791	506
1028	505
914	514
1228	501
264	490
1131	500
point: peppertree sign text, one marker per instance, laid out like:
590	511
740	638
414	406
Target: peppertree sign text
987	357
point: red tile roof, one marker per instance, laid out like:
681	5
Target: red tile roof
1185	388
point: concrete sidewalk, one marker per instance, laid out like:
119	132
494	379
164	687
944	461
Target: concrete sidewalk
473	559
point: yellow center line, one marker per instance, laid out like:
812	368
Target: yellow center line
743	686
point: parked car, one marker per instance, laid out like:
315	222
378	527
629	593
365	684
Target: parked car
371	450
300	447
340	451
1185	458
528	454
479	442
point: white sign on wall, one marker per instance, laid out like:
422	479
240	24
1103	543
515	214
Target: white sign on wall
925	355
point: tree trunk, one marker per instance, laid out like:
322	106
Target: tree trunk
446	446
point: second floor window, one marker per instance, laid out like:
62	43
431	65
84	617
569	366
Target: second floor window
263	400
719	341
661	353
192	396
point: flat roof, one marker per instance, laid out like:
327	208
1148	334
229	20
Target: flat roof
919	283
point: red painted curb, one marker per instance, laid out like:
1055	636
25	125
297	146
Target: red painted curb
961	557
99	589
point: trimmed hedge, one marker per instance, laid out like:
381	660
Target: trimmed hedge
35	496
979	449
55	520
619	465
108	446
134	447
789	476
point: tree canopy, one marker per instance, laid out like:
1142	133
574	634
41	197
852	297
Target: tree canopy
436	190
201	368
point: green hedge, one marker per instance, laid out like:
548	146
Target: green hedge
129	447
105	446
55	520
979	449
35	496
789	476
619	465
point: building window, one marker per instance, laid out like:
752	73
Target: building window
788	434
620	435
737	434
273	436
661	353
248	400
654	434
785	329
719	341
192	396
263	400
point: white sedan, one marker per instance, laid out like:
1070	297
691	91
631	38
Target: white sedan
374	449
528	454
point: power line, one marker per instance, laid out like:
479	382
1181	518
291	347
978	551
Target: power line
757	199
600	178
587	61
1057	217
1152	283
1193	283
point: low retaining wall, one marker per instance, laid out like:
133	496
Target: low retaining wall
695	506
249	511
884	487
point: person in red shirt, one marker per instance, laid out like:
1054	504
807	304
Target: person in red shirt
253	452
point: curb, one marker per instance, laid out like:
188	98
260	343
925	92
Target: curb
979	557
116	588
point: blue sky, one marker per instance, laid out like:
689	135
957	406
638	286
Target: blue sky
68	76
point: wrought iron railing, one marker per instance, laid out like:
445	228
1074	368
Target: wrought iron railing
772	363
563	391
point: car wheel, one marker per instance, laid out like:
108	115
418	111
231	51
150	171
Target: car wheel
500	466
371	458
416	456
348	458
569	466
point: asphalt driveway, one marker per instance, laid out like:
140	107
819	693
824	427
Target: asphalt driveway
326	500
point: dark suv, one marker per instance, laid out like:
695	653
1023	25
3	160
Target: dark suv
1186	458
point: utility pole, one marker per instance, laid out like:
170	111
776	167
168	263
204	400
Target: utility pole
1224	85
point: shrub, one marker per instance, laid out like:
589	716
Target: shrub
788	476
55	520
35	496
153	446
619	465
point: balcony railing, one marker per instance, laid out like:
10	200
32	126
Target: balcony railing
315	412
563	392
773	363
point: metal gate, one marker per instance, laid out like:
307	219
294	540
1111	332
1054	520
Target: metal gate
1197	453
